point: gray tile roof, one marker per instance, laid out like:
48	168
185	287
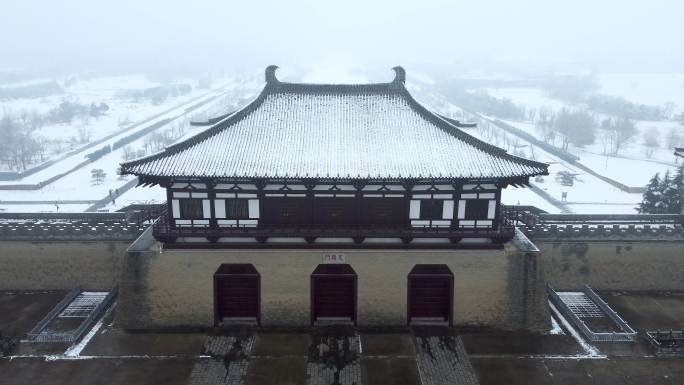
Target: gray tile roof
373	131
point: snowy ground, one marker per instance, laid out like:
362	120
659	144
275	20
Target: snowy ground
73	160
524	196
633	166
122	113
78	186
587	194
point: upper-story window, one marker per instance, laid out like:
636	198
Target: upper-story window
237	208
191	208
284	211
385	211
476	209
334	211
431	209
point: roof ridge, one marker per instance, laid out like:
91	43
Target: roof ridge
270	77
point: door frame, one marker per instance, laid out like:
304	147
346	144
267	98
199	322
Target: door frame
441	271
227	270
324	270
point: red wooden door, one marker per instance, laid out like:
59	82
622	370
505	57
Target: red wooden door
333	294
430	293
236	293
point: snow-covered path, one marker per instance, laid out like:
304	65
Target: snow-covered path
77	186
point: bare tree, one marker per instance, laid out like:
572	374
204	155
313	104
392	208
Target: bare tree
127	153
545	126
651	143
576	127
624	132
673	138
84	134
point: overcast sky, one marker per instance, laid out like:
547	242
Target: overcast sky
138	35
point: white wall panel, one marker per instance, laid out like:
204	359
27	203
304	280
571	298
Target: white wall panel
254	208
491	210
461	209
175	208
206	208
414	210
448	210
220	208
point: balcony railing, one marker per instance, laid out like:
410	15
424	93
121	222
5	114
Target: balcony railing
502	231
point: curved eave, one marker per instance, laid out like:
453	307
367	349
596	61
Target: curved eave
229	119
455	131
273	86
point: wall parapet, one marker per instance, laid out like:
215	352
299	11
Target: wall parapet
537	225
124	226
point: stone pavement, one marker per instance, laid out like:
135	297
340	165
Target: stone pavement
228	361
334	358
442	359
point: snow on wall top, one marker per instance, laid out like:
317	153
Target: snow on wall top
373	131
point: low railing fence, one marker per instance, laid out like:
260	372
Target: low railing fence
667	342
626	334
34	334
40	333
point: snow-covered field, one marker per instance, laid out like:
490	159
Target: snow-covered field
634	165
116	92
78	185
586	190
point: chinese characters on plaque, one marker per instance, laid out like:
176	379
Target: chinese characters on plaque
334	258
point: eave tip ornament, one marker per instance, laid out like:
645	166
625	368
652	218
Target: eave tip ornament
270	74
399	75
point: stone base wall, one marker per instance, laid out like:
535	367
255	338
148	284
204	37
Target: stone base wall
26	265
613	264
174	288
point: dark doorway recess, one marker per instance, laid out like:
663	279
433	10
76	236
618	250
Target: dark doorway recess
237	294
430	294
333	294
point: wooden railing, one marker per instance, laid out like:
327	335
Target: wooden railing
504	231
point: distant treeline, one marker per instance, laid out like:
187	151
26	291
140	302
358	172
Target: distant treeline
29	91
617	106
583	89
482	102
156	95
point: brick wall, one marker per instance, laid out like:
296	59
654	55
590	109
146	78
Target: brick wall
26	265
174	288
613	264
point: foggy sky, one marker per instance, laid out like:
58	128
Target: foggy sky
138	35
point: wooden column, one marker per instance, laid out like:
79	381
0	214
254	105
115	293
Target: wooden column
408	187
358	200
260	185
496	222
310	184
211	195
169	205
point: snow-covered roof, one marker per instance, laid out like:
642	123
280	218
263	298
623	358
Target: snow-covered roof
369	131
